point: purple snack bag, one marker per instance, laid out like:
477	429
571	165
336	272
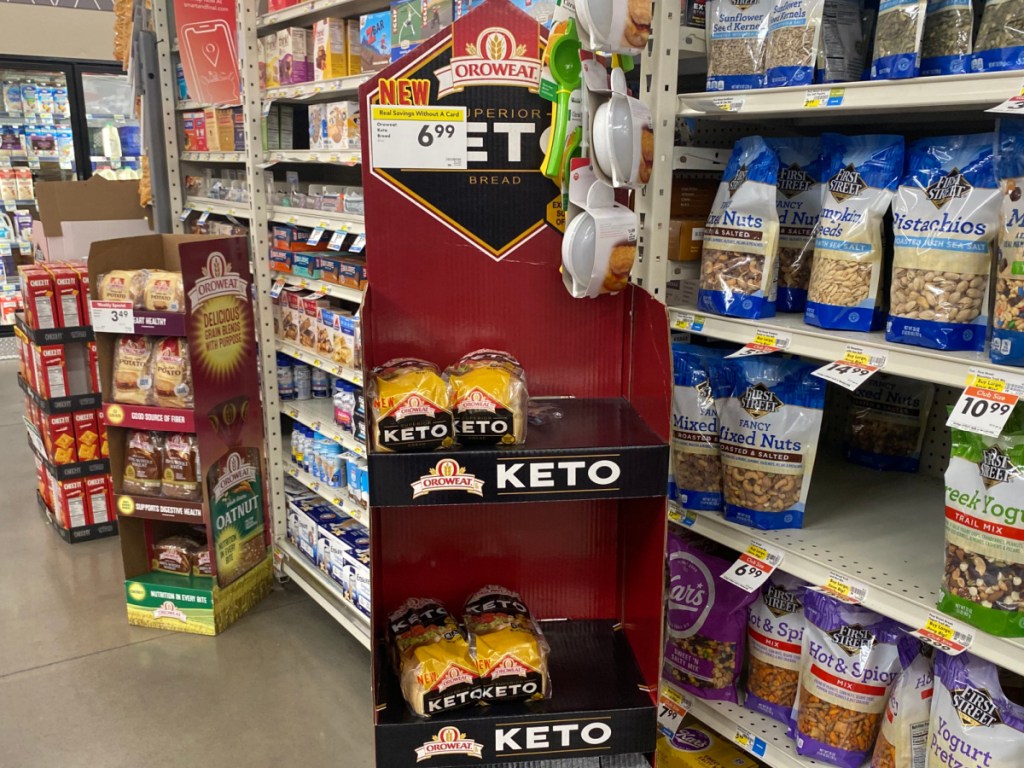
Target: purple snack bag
706	617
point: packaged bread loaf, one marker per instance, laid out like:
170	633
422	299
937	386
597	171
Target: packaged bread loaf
143	468
163	291
410	407
181	473
172	373
174	554
487	392
133	376
435	668
122	285
510	650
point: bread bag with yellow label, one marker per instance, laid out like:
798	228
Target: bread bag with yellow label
487	391
172	373
133	379
432	658
510	650
122	285
163	291
409	406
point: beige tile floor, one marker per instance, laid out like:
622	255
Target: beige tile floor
283	686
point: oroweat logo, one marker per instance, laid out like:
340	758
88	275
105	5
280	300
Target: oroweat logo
217	279
759	401
449	741
169	610
853	638
794	180
947	187
447	475
975	707
494	58
846	183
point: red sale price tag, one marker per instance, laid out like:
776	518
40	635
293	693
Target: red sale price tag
753	567
944	634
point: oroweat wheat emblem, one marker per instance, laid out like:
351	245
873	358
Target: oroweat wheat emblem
495	57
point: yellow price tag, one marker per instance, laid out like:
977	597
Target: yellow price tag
671	694
857	358
939	627
986	382
766	339
756	550
838	587
675	515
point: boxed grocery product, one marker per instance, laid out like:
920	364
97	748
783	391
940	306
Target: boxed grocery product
342	125
280	260
273	60
58	433
293	46
69	502
306	264
100	498
104	445
317	122
194	124
67	295
238	126
686	239
37	296
352	273
287	237
353	48
329	59
213	136
225	129
406	26
87	435
374	41
694	745
50	370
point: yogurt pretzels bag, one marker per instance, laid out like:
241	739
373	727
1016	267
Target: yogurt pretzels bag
860	176
945	218
903	739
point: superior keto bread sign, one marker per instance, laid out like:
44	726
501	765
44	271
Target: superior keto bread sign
456	127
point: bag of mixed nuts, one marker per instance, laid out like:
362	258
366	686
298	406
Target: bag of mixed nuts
1000	42
887	421
983	580
798	200
738	264
850	662
859	178
973	722
706	619
696	460
944	219
948	30
898	33
769	423
903	738
775	632
791	45
736	44
1007	345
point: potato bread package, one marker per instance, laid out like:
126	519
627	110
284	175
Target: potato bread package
706	620
487	391
775	633
741	237
769	420
860	176
409	405
696	460
903	738
945	218
1008	315
850	662
973	724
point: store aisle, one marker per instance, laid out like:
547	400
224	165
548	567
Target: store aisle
79	687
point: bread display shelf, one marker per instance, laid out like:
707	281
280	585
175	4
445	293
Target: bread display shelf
598	708
65	471
50	336
61	404
76	535
327	220
159	508
159	323
149	417
599	449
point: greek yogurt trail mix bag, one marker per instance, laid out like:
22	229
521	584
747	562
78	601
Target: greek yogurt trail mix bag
696	460
849	664
983	580
770	418
945	218
860	175
798	200
775	632
706	620
736	44
946	45
791	45
973	724
1008	314
898	33
903	739
738	264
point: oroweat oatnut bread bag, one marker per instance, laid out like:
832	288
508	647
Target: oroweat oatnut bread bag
769	420
973	724
859	177
435	668
706	620
409	406
738	264
849	664
903	738
983	579
143	465
945	218
487	391
775	632
510	650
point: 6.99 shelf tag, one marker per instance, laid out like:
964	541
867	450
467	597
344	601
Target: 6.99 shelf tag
945	635
753	567
853	369
986	403
764	343
112	316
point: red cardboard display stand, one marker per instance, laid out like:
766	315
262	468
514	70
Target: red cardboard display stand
467	256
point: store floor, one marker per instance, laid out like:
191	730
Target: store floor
79	687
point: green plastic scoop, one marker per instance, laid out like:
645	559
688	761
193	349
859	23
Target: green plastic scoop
565	71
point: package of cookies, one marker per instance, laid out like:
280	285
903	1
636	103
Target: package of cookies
122	285
163	291
487	392
143	462
172	374
174	554
181	472
133	379
410	407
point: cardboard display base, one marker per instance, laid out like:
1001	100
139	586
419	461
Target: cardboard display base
597	708
194	603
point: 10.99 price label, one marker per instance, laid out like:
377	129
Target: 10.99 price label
422	138
985	404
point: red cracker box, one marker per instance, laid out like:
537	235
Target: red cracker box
67	295
313	302
70	505
51	371
94	367
58	432
43	483
37	293
87	435
104	447
100	496
83	277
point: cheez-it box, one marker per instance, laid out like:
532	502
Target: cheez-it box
59	438
37	293
100	496
87	435
69	502
67	295
104	448
51	372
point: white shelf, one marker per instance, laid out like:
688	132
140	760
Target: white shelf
336	497
304	14
328	289
921	95
319	415
700	159
882	529
335	222
317	89
692	43
325	157
220	207
335	369
184	105
213	157
949	368
325	592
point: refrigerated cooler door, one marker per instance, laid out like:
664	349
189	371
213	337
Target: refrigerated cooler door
114	140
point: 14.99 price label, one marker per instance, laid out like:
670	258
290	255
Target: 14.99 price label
423	138
853	369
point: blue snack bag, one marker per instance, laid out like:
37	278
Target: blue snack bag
1008	313
946	46
898	31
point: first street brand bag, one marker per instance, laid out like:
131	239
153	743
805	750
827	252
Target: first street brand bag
1008	314
903	738
409	405
775	634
